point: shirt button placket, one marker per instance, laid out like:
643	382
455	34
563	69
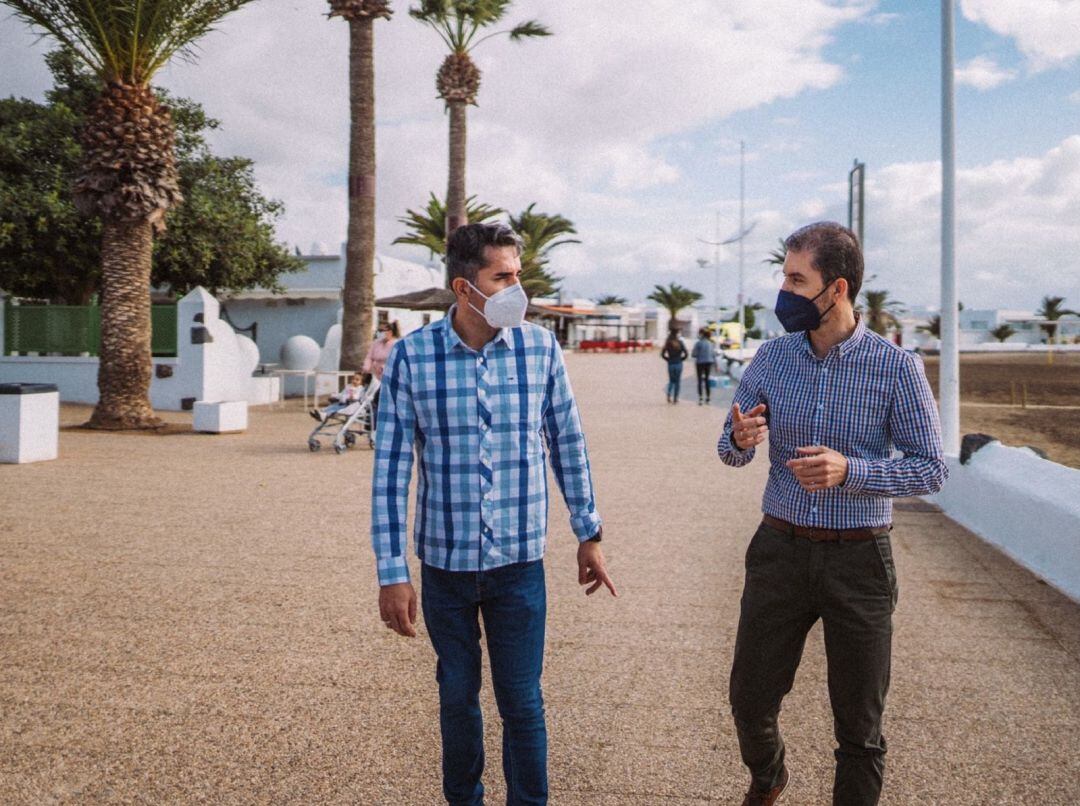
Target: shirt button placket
486	473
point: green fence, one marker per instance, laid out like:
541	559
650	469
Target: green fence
75	329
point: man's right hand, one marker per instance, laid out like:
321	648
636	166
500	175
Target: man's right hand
397	608
748	430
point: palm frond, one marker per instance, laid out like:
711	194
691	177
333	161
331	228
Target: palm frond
125	40
532	28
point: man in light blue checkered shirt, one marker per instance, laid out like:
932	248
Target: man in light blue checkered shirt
835	400
481	398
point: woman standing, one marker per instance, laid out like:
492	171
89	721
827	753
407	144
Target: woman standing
375	362
379	351
674	353
704	357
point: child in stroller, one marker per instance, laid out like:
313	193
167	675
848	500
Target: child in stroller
352	393
349	416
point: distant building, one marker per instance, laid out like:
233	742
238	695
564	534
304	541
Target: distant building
311	300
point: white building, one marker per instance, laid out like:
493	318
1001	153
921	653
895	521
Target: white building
310	303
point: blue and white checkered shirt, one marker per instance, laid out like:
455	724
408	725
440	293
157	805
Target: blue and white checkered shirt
865	398
481	424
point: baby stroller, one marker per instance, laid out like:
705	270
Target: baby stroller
346	424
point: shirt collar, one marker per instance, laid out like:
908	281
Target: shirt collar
452	339
845	347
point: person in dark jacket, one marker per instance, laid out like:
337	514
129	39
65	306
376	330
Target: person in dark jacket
704	353
674	353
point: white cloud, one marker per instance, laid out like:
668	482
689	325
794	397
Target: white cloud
1016	228
1047	32
983	73
1075	97
581	123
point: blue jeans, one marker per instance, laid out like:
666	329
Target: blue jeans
674	373
513	601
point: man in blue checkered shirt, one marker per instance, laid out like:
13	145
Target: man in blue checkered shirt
482	398
835	400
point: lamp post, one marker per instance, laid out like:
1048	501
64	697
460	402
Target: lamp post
737	238
949	377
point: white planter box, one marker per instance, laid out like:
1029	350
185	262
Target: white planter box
220	418
265	389
29	422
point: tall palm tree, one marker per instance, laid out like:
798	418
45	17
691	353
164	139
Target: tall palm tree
674	298
129	176
458	23
1051	311
882	313
427	228
358	295
541	233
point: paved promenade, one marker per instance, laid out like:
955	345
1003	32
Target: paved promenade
191	619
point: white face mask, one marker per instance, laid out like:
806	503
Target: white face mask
504	309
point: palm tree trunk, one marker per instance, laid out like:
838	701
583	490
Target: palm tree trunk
125	360
455	191
358	296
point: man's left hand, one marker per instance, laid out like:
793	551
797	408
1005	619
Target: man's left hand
819	468
590	562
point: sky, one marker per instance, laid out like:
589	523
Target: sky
629	124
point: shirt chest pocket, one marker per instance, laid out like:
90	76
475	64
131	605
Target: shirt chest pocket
519	396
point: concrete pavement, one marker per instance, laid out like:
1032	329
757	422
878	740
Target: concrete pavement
189	618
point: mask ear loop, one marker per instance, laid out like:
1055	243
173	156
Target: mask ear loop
823	314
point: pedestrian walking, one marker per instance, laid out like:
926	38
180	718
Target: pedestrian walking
481	397
675	354
704	354
834	399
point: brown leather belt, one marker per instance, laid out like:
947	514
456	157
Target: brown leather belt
819	535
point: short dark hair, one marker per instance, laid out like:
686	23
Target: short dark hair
465	249
834	251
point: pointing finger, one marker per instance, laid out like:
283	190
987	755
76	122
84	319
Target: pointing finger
736	413
758	410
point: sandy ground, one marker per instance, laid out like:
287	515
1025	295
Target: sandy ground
191	618
988	384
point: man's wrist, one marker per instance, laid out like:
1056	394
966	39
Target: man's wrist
596	538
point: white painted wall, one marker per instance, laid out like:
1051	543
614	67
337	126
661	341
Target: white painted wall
1023	504
219	369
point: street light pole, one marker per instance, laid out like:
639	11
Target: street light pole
742	230
950	349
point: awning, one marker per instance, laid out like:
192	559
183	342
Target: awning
440	299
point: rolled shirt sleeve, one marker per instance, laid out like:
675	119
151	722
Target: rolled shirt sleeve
396	436
915	428
566	446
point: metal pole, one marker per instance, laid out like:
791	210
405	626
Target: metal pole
716	272
742	231
950	355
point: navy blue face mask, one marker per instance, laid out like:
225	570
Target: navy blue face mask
797	313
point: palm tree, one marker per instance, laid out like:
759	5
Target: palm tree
777	256
1051	311
933	327
541	233
610	299
674	298
1002	333
458	22
358	294
882	313
129	176
427	228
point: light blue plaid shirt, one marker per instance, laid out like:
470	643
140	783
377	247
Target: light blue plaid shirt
865	398
481	424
